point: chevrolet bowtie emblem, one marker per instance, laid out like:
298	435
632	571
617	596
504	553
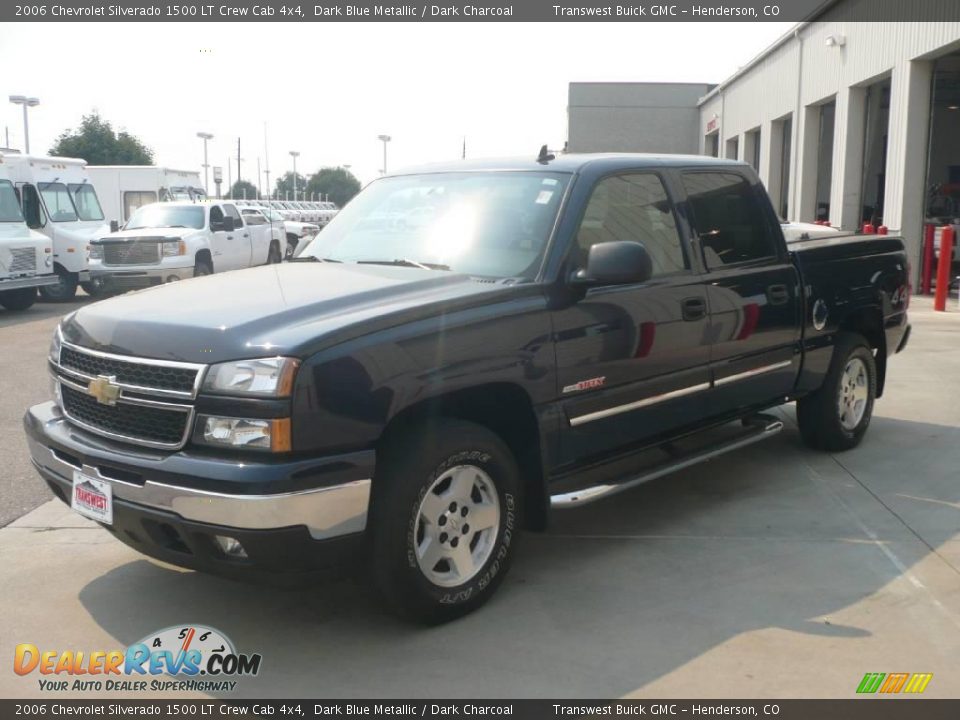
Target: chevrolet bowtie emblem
104	389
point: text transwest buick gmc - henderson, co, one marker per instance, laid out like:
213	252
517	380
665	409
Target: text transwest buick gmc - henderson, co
462	349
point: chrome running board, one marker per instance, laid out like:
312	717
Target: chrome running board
758	427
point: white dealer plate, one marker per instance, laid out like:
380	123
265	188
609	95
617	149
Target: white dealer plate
92	498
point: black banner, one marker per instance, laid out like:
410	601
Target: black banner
478	11
853	709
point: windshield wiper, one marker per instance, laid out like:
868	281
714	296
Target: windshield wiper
404	262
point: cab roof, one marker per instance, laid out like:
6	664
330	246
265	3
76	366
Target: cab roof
572	163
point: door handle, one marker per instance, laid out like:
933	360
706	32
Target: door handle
246	234
693	308
778	294
229	237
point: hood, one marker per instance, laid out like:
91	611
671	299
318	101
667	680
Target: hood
178	233
286	309
80	232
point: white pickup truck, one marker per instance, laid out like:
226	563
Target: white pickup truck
26	256
169	241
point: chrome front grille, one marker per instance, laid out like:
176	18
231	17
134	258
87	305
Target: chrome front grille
137	252
149	402
23	260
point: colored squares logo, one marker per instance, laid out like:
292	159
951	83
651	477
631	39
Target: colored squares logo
891	683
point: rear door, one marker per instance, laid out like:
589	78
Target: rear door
752	289
632	360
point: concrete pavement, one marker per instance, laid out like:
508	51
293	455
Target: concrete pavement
774	572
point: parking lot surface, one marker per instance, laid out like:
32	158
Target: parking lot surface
776	571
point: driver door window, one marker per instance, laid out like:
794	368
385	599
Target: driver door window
636	208
32	207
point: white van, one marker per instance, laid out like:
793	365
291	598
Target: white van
58	199
124	188
26	256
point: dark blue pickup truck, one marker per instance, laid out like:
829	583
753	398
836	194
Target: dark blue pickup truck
461	350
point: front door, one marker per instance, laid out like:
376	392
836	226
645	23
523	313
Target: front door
241	244
632	360
752	290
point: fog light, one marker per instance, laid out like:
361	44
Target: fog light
172	278
230	547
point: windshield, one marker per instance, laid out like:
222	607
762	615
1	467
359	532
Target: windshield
57	199
9	207
493	224
165	216
272	215
85	201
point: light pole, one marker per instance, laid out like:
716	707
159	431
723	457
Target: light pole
384	139
205	136
294	154
26	102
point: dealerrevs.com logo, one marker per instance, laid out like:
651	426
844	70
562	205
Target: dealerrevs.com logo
189	657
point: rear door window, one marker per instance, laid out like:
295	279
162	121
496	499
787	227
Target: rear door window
728	218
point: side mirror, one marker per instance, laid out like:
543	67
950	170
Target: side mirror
228	224
621	262
114	226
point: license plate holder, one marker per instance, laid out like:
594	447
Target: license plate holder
92	498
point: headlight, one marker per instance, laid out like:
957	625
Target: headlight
263	377
173	248
54	352
245	433
96	251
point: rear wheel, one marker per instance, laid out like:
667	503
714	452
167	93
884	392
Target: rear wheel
837	416
64	290
444	520
17	300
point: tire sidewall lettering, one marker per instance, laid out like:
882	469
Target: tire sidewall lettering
454	596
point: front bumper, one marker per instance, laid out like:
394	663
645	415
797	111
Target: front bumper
131	277
28	282
292	517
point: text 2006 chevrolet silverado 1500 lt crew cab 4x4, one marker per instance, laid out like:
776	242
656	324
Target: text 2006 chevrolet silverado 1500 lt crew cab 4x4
460	350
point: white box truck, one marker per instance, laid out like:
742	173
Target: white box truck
26	256
58	199
124	188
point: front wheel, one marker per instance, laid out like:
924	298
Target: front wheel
274	256
64	290
837	416
16	300
444	520
202	267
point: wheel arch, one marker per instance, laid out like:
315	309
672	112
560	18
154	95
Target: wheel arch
205	256
868	323
506	410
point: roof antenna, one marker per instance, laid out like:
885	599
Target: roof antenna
545	155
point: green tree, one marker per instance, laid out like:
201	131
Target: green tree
96	142
339	184
285	185
243	190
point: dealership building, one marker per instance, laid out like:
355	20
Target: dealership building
845	121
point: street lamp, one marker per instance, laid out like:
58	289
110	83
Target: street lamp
384	139
205	136
294	154
26	102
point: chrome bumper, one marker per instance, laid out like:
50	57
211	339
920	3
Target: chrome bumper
326	512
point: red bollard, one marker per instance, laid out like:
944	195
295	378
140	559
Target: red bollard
943	269
882	230
926	271
867	229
